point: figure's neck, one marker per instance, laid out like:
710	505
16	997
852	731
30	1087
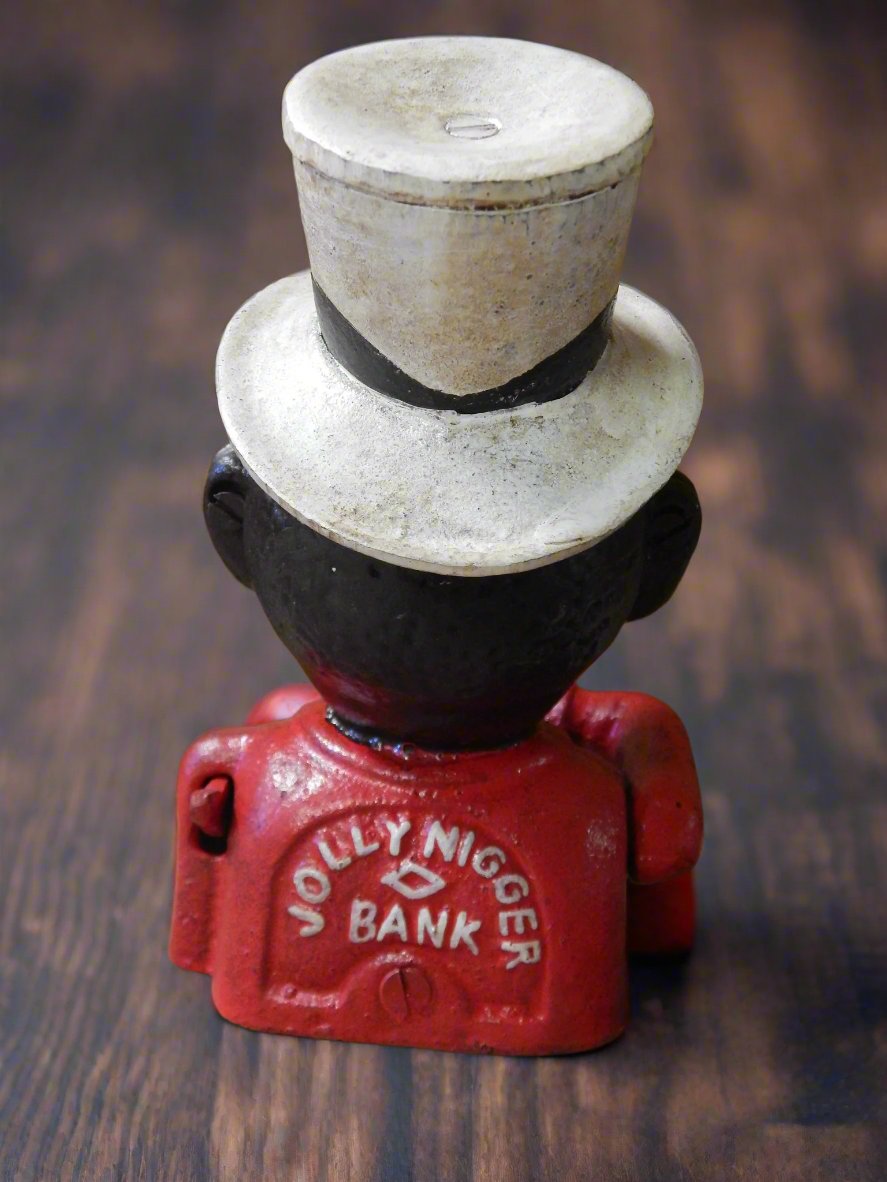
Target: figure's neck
369	736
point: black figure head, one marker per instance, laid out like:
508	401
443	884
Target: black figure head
443	661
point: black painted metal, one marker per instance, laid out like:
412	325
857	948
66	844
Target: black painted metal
552	378
443	661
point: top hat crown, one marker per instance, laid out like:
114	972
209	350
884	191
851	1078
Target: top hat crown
466	201
461	385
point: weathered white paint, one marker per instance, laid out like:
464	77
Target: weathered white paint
362	847
466	203
362	925
424	881
465	301
434	929
312	921
397	830
334	863
526	952
312	885
436	490
375	117
466	259
510	888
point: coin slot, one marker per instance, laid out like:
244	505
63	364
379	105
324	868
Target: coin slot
472	127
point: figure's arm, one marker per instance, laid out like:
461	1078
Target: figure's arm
204	805
646	740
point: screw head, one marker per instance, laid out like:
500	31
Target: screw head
404	991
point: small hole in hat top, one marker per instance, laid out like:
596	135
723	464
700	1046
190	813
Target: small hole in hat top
472	127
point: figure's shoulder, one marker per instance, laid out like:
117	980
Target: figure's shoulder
567	770
604	716
283	702
273	725
215	752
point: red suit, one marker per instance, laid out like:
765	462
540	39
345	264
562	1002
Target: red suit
471	901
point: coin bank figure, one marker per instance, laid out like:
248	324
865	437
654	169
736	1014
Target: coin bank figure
451	479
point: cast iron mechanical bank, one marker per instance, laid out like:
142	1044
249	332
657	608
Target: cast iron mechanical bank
451	478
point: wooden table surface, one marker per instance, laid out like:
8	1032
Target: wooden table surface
148	194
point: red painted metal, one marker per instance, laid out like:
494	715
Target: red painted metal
469	902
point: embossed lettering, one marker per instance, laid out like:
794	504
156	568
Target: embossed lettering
360	846
396	833
527	952
462	932
362	926
488	862
435	932
446	841
517	918
394	924
330	858
465	847
311	885
312	920
511	887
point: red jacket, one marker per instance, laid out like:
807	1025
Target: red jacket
466	902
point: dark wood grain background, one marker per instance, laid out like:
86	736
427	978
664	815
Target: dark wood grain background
147	193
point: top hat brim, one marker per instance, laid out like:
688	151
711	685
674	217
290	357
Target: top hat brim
438	490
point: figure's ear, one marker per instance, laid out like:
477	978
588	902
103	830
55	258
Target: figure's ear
674	520
224	499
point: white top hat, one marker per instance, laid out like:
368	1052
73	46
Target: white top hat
461	385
